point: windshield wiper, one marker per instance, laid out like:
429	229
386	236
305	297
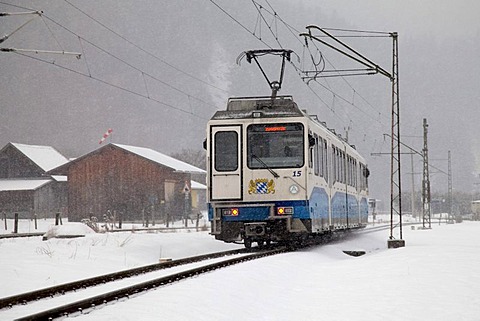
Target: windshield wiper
266	166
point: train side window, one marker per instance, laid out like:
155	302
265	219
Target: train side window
334	165
325	161
310	156
348	170
354	174
339	166
320	157
361	176
316	158
226	151
342	166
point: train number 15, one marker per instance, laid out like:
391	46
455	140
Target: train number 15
297	173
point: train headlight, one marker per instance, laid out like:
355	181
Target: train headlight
294	189
230	211
284	210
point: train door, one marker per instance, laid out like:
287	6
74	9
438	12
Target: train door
226	163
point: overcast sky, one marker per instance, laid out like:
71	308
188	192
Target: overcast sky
434	18
163	108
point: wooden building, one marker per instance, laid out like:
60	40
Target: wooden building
25	186
199	196
127	181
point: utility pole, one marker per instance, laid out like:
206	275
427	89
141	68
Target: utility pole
371	68
395	173
450	190
413	186
427	224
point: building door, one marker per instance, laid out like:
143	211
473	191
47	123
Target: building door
226	163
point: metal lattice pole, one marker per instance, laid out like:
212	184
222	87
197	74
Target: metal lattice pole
372	68
450	190
426	180
395	165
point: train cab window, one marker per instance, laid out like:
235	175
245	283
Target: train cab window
275	145
226	151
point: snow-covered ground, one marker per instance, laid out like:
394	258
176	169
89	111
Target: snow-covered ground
435	277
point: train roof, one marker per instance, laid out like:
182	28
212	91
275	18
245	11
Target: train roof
268	107
244	107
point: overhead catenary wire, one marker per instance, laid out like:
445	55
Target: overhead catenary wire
258	7
277	16
322	59
262	15
129	64
239	23
144	50
143	73
190	96
111	85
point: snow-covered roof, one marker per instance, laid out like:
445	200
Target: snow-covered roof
60	178
22	184
197	185
162	159
45	157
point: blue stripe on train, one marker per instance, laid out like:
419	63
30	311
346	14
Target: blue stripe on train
261	213
317	208
339	209
319	203
364	210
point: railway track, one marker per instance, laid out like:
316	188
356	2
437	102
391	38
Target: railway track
11	236
33	302
101	279
85	302
381	227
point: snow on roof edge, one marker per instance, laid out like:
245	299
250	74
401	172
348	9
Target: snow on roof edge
45	157
162	159
22	184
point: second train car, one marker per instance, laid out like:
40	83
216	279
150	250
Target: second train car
277	174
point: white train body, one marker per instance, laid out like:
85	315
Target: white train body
274	173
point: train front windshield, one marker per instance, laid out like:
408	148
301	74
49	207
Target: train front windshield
275	146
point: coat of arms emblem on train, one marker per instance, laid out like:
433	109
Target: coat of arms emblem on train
261	186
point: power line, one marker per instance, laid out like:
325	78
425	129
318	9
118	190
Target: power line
239	23
110	84
323	59
128	64
276	16
117	58
16	6
144	50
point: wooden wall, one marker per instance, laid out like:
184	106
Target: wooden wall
116	180
14	164
44	201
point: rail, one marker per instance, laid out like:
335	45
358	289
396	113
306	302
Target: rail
81	284
88	304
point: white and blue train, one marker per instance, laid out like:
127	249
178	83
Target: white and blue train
277	174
